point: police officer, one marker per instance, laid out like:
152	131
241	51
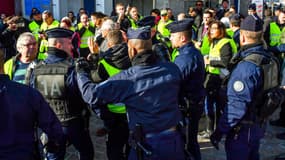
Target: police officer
239	121
191	64
110	63
158	46
145	90
55	78
23	108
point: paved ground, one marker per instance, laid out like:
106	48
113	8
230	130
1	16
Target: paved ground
270	146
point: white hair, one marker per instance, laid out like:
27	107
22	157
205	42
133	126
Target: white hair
109	25
22	37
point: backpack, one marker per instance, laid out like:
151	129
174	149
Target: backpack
271	96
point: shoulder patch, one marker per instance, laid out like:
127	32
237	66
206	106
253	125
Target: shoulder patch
238	86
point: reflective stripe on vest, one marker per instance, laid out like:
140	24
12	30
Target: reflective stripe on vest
215	53
276	34
85	36
111	70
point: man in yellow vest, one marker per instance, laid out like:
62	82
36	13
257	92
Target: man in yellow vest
163	22
17	66
274	32
35	25
48	23
85	30
112	62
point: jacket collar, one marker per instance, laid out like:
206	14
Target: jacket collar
147	57
57	52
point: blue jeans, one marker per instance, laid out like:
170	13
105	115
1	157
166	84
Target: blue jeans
163	147
78	135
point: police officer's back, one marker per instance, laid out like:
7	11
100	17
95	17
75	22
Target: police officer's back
22	109
191	64
240	121
55	78
145	90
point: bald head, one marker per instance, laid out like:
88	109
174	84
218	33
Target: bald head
137	46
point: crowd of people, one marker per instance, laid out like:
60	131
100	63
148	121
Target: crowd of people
149	78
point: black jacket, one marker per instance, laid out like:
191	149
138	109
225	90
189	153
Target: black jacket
116	56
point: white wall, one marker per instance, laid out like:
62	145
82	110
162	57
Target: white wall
104	6
62	7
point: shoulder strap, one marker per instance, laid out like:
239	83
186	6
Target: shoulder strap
254	58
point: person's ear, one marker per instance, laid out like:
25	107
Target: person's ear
58	45
241	38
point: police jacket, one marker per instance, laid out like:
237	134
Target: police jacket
55	78
191	64
117	56
21	108
149	89
245	83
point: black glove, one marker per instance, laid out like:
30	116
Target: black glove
215	138
82	65
93	60
53	147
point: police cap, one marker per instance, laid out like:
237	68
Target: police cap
147	21
252	23
252	6
59	33
180	26
142	33
36	12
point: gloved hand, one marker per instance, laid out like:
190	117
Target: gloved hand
215	138
93	60
82	65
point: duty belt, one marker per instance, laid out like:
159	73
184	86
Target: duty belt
164	132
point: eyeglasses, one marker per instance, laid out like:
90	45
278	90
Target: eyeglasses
29	44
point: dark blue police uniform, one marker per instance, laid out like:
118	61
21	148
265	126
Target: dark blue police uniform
22	108
191	64
239	121
56	79
149	89
158	46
